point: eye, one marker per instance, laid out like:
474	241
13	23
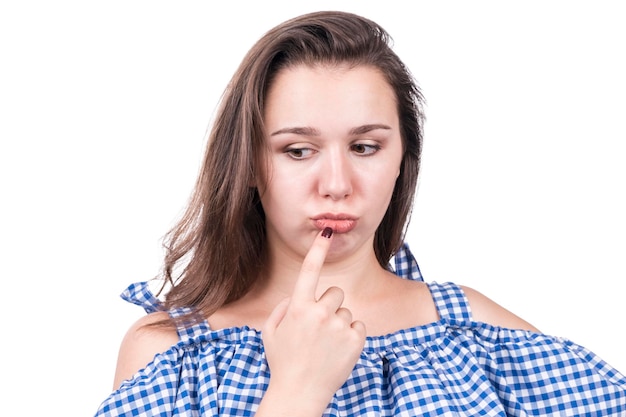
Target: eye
299	153
364	149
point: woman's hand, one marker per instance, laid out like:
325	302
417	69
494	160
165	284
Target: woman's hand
311	344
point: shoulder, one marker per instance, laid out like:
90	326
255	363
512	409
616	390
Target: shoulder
488	311
141	343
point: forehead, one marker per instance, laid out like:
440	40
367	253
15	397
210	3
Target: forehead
325	93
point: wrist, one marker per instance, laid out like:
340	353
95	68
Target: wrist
290	402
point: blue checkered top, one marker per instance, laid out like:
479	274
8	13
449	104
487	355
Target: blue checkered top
452	367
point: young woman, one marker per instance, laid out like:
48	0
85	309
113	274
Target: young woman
282	300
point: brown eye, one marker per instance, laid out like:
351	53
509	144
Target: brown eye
299	153
296	153
363	149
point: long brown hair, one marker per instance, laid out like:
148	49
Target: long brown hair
216	250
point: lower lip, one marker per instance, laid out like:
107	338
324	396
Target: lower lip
338	226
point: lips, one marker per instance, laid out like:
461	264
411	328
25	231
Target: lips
340	223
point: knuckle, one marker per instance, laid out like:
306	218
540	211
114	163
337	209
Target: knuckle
322	315
345	314
359	330
298	311
334	293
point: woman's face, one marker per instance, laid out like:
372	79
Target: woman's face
334	155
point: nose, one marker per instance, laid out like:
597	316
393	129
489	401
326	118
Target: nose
335	179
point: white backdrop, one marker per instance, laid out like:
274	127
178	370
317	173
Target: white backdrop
103	113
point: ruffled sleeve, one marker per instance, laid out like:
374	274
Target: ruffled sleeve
139	294
452	367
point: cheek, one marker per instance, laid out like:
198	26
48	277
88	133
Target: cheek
377	186
290	179
280	194
387	173
388	181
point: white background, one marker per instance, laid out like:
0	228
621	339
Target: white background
103	113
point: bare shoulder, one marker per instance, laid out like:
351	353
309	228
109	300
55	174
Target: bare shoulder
141	343
400	304
488	311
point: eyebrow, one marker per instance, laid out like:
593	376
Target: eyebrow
311	131
305	131
368	128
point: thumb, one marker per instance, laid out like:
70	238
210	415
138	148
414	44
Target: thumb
276	316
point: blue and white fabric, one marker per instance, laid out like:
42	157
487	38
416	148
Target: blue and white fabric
452	367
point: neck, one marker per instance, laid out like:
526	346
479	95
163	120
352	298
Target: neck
357	274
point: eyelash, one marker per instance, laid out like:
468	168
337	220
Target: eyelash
372	150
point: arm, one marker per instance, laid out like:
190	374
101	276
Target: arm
140	344
486	310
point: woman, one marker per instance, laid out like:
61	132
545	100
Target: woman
281	298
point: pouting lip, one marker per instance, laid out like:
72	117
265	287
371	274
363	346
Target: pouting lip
333	216
340	223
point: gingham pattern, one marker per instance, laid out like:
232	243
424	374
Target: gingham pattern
454	367
406	265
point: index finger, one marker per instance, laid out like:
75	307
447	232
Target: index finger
311	266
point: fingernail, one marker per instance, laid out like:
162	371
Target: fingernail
327	232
